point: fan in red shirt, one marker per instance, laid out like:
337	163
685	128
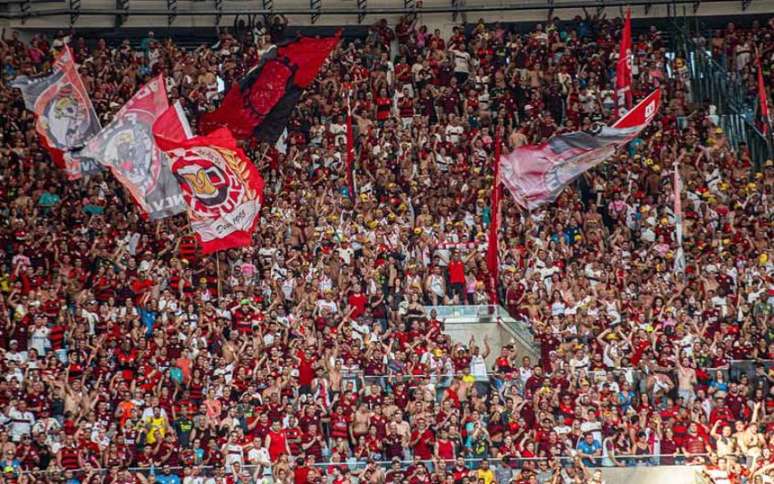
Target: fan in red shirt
422	440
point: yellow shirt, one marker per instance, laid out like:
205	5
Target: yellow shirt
486	475
158	427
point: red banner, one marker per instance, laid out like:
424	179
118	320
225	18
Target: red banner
537	174
219	183
623	69
65	117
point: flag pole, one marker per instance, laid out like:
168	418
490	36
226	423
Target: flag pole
623	69
492	250
217	268
350	159
679	262
763	99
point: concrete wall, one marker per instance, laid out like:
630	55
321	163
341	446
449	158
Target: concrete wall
498	335
651	475
442	21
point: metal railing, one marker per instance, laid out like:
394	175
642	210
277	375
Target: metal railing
724	88
519	330
452	312
500	381
435	7
511	464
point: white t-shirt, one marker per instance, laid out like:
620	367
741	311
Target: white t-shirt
21	423
478	368
233	453
39	340
454	132
461	61
330	305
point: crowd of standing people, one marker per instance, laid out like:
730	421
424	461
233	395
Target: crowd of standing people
127	356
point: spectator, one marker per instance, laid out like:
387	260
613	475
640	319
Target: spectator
311	356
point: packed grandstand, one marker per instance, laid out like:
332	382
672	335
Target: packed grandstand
310	354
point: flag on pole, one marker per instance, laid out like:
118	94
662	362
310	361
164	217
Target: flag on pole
623	69
537	174
492	256
678	209
220	185
350	153
282	143
261	103
65	118
127	148
763	98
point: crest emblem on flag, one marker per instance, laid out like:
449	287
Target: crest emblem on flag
127	147
220	185
64	114
64	117
130	151
210	190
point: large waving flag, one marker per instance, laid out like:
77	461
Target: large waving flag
65	117
221	187
126	146
537	174
623	69
261	103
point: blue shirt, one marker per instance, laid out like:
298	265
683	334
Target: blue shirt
589	449
167	479
148	318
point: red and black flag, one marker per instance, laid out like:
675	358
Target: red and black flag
65	118
261	103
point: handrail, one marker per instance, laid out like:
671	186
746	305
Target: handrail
736	109
356	374
509	461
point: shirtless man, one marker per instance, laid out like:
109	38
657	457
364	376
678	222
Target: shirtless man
686	379
361	420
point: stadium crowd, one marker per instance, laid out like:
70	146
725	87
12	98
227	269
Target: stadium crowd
309	357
